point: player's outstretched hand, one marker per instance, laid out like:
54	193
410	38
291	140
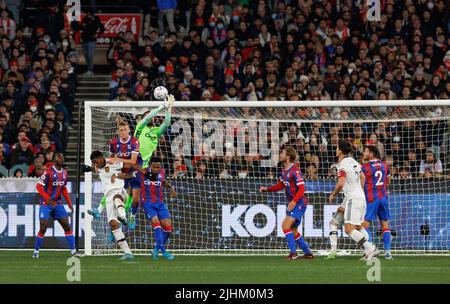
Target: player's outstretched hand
262	189
170	99
172	194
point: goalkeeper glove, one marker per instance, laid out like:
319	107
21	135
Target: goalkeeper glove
86	168
169	101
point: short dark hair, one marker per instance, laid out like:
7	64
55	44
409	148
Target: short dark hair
155	159
374	150
96	154
345	147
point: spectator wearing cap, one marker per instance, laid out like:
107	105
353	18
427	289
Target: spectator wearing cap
431	166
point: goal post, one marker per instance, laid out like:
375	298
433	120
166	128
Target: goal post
218	153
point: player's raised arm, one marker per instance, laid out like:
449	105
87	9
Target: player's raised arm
170	99
146	119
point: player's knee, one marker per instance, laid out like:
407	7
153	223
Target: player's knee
384	225
366	224
166	226
348	229
114	225
42	229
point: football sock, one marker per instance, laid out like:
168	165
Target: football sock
128	203
366	233
120	238
134	209
39	240
159	237
167	230
70	239
387	239
333	236
302	243
290	240
359	238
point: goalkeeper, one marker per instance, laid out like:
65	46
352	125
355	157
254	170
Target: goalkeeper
148	135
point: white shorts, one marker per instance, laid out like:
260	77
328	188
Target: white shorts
111	210
355	209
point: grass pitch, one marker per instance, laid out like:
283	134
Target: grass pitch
19	267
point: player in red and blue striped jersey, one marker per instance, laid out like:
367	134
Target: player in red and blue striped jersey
375	189
125	149
153	179
51	186
291	181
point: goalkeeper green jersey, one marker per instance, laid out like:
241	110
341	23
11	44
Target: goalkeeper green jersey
148	140
149	136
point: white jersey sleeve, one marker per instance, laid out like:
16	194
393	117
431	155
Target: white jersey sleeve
351	169
105	174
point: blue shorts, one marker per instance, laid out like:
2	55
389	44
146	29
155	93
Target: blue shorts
298	212
134	183
56	212
156	209
378	207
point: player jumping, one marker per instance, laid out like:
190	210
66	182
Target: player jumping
152	201
136	149
125	149
148	135
112	180
50	187
292	181
375	189
351	181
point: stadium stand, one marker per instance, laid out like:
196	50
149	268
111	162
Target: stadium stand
230	50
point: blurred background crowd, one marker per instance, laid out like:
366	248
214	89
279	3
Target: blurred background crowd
238	50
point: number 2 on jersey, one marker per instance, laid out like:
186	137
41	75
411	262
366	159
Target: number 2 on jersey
379	175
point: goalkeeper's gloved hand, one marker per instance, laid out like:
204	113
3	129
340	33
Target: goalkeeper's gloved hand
170	99
86	168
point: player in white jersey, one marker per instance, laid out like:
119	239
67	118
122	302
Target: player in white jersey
112	180
351	182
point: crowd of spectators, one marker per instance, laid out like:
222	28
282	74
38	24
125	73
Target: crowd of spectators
38	81
299	50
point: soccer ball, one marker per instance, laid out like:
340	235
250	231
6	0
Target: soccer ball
160	93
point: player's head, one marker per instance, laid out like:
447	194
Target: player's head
288	154
153	122
58	158
344	148
155	164
98	159
371	152
123	129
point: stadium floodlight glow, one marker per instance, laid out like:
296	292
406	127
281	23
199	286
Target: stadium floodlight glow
218	214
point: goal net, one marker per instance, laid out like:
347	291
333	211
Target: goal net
218	154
